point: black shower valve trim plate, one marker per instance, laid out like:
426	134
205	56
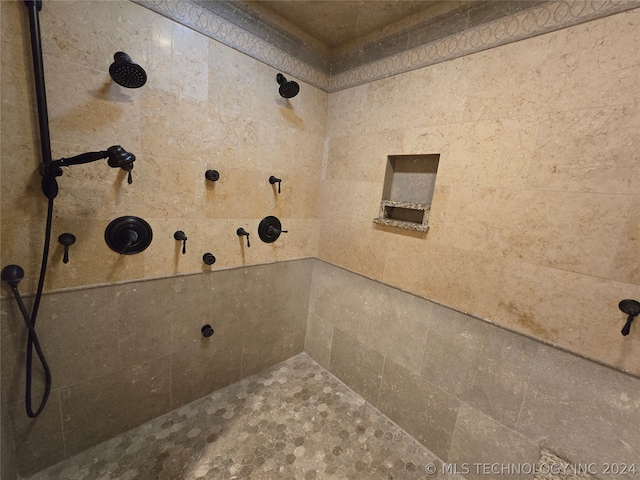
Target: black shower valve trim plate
270	229
128	235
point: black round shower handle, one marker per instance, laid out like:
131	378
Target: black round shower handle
212	175
627	326
208	258
207	331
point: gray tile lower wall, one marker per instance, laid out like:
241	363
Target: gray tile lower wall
121	355
469	391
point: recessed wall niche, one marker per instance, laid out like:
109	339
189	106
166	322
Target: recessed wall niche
409	182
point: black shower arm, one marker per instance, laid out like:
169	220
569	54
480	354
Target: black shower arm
80	159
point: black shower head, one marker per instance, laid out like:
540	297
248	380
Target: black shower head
119	157
126	73
288	88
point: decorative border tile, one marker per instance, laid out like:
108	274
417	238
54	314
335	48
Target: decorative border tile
551	16
202	20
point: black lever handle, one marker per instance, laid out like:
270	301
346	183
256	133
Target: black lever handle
632	309
273	231
242	232
66	239
273	180
627	326
128	167
181	237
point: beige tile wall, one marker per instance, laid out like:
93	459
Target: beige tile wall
205	106
534	221
534	226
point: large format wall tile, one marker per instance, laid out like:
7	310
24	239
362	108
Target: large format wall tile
8	464
38	442
79	330
145	313
105	406
425	411
536	300
356	365
202	368
600	158
483	365
585	411
485	446
398	330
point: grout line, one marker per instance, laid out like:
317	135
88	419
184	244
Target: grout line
384	363
64	438
526	390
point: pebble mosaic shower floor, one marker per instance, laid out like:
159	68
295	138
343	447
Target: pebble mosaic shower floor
294	421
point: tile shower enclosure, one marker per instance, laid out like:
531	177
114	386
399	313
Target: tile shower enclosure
533	227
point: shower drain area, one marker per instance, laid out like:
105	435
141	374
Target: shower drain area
293	421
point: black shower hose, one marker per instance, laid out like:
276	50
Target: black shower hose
31	326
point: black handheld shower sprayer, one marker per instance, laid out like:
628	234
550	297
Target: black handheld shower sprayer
117	157
127	74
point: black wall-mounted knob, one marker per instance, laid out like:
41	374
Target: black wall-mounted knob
242	232
207	331
181	237
212	175
273	180
208	258
631	308
66	239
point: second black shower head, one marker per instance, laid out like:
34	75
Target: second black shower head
288	88
126	73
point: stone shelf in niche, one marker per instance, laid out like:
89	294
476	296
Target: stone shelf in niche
410	216
409	183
